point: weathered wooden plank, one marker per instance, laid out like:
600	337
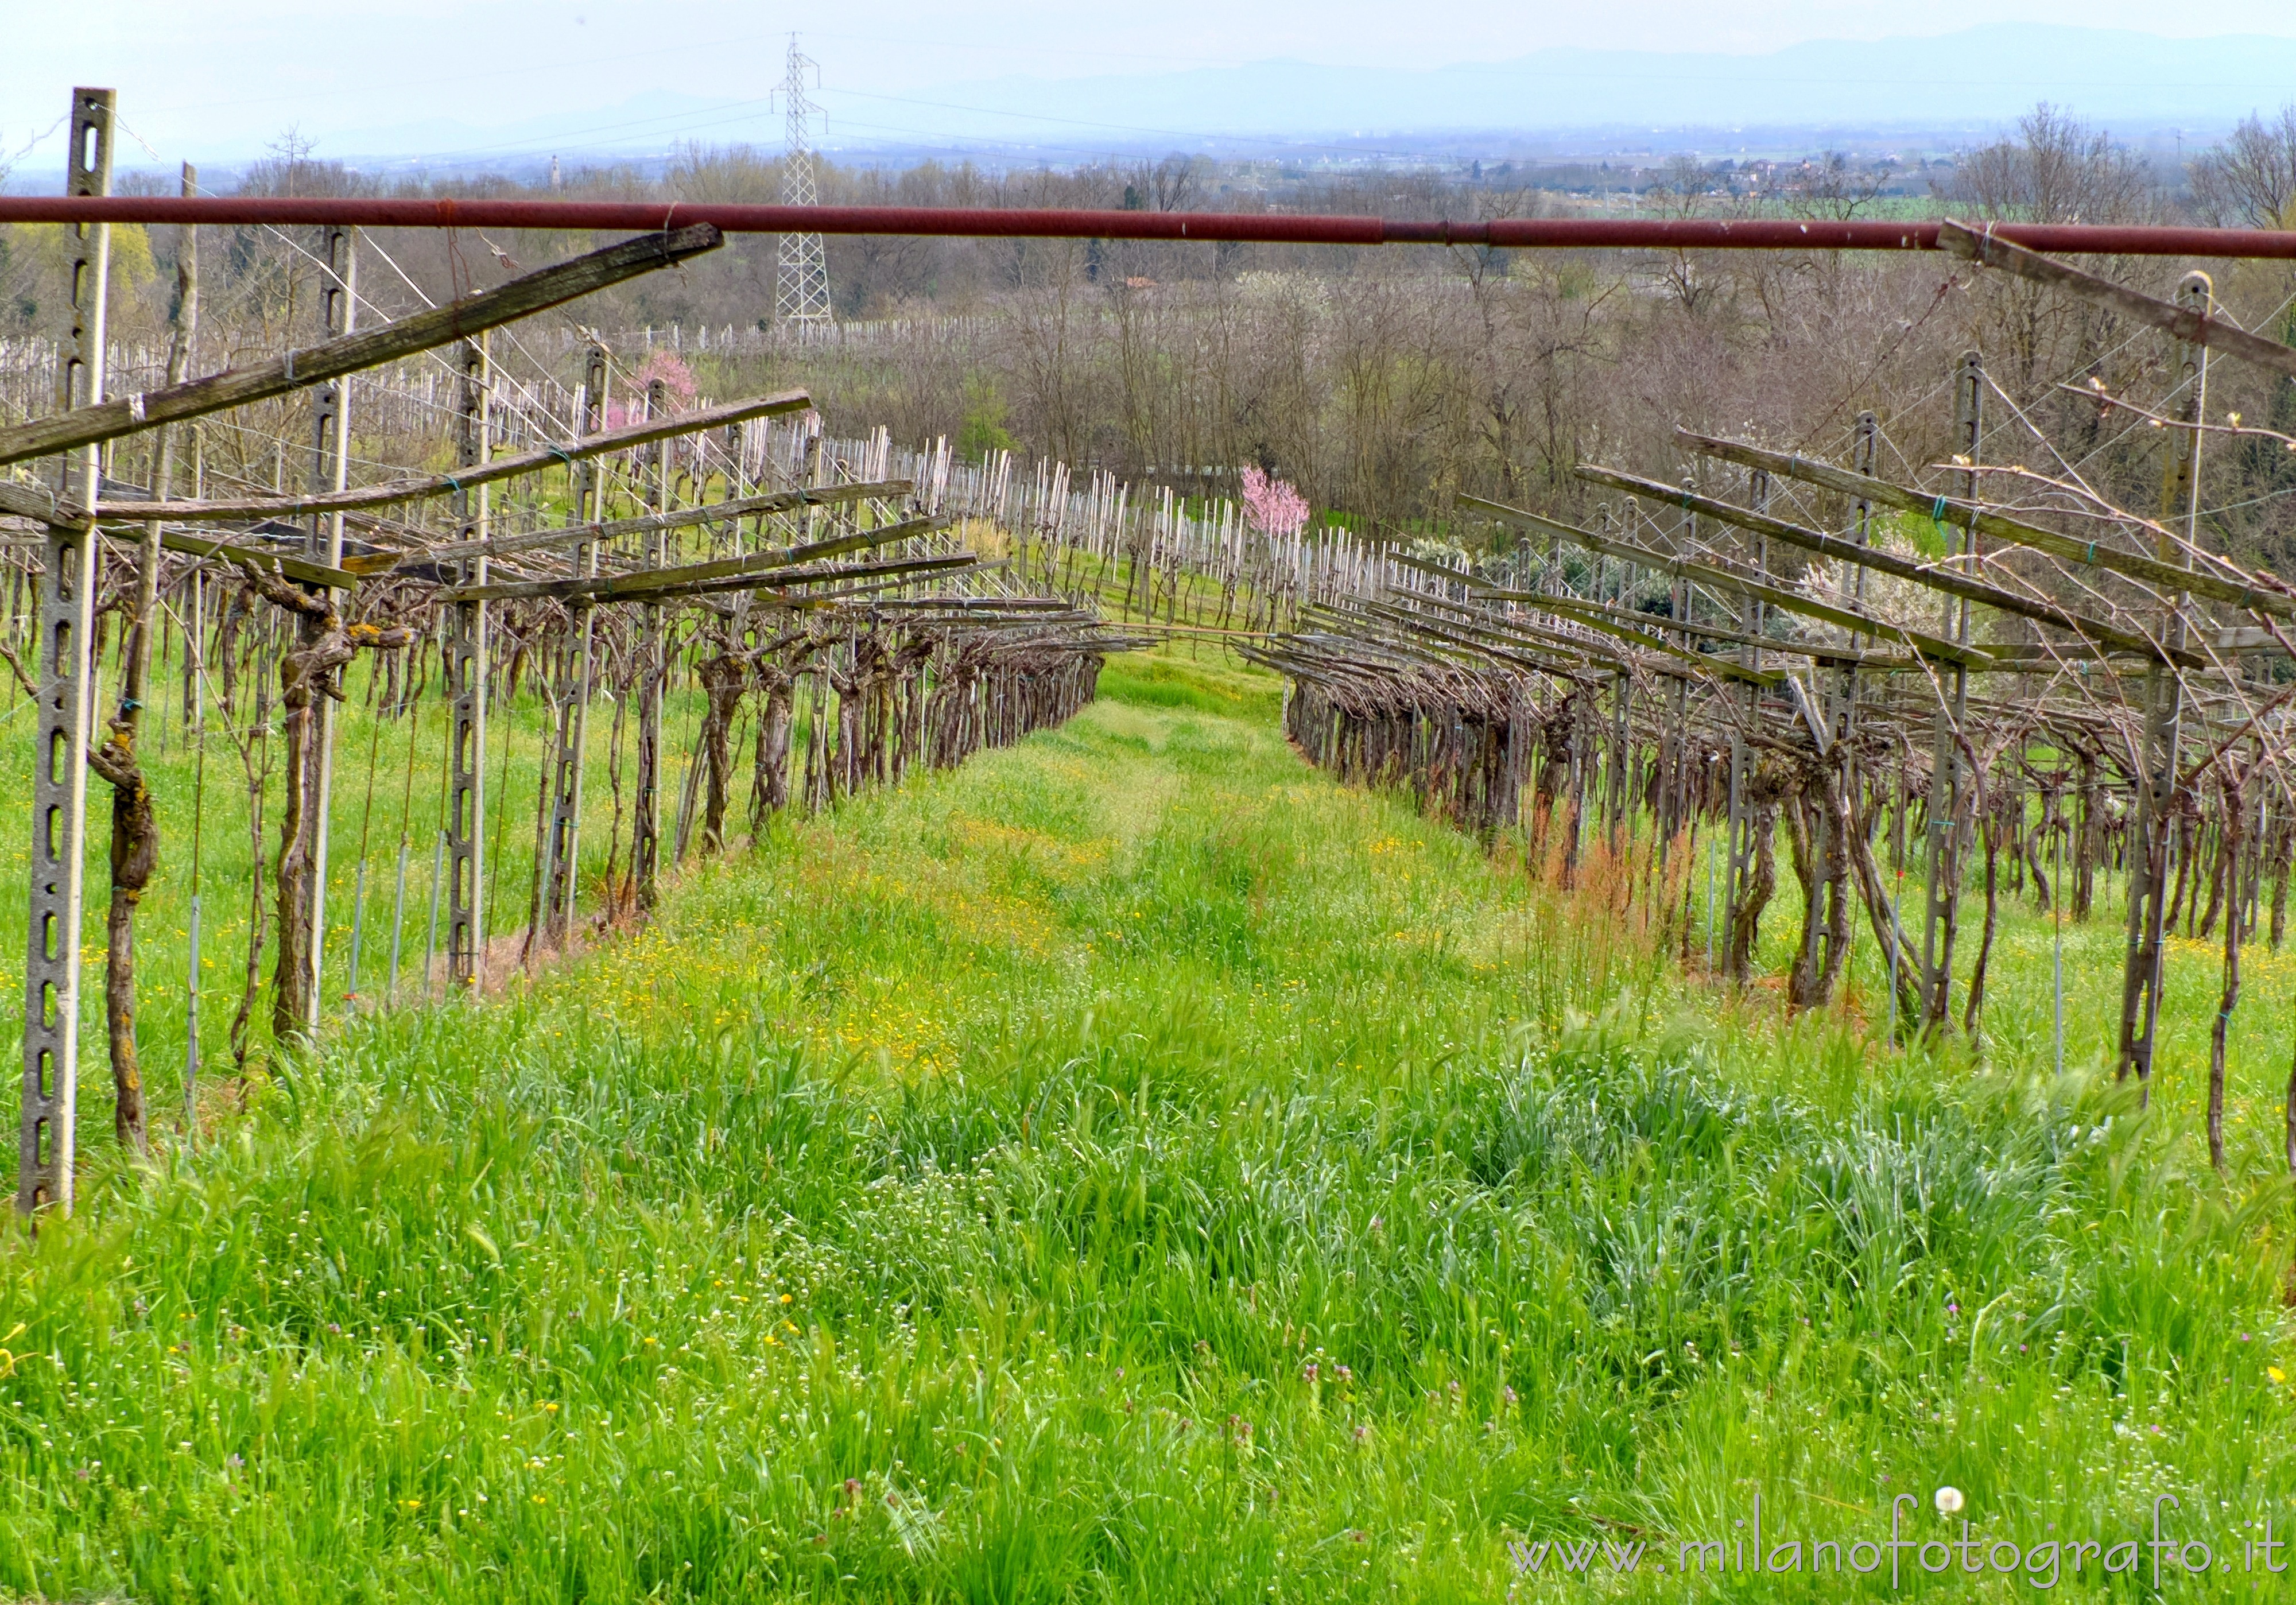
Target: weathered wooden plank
1518	635
999	604
785	579
520	297
466	478
301	570
2150	570
1722	579
1431	644
1988	249
25	499
1821	545
2232	642
649	582
1578	609
1704	662
574	534
42	506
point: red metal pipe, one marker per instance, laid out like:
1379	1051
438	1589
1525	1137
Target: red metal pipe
1633	234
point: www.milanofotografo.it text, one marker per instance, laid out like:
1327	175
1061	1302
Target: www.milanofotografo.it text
2160	1556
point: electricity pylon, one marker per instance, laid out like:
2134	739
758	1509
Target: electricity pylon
801	286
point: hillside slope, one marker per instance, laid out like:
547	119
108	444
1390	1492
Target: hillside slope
1131	1167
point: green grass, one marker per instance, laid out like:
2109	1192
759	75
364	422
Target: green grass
1135	1167
1155	680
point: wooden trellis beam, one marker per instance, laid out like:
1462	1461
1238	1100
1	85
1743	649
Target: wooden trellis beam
1821	545
872	592
1639	623
486	473
305	570
855	540
1635	626
2232	642
1426	643
1706	663
1702	662
941	564
2166	576
44	506
663	582
425	331
930	617
1517	638
1498	626
1988	249
991	604
574	534
1717	578
896	571
1624	624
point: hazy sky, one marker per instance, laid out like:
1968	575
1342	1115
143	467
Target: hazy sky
216	75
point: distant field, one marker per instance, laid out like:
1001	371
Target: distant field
1133	1166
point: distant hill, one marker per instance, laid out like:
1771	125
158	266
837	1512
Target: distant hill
1980	75
1935	91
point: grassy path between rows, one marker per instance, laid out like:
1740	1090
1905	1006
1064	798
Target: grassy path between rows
1132	1169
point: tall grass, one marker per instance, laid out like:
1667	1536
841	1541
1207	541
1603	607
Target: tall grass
1134	1168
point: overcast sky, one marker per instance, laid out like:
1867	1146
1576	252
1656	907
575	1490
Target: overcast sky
224	75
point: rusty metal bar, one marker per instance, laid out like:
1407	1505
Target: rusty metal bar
1522	234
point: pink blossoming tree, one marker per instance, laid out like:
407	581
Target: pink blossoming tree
677	383
1272	504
